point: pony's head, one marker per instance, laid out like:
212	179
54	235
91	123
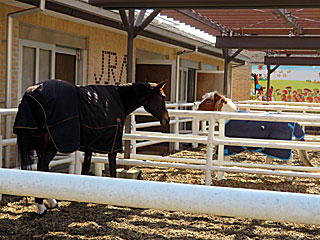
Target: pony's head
155	103
213	101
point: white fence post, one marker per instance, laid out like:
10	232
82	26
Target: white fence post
221	148
195	127
133	129
204	126
77	163
195	130
176	130
209	151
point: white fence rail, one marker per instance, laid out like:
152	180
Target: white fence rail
220	201
255	102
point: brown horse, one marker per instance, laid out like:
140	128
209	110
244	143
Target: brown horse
213	101
56	116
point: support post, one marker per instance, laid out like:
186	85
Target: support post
130	54
270	71
227	59
133	29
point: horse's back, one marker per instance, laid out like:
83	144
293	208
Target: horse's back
102	117
53	106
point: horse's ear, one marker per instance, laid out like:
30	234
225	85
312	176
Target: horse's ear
161	84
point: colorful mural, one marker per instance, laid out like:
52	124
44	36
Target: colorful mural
288	83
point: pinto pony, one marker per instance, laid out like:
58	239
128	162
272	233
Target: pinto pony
213	101
56	116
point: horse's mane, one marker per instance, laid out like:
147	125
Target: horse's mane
135	89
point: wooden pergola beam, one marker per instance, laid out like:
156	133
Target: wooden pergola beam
301	61
251	42
286	16
204	20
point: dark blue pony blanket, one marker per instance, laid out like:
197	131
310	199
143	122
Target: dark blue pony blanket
262	130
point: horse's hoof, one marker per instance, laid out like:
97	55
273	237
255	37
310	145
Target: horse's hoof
52	203
41	214
41	209
140	176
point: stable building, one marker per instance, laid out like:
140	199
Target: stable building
83	44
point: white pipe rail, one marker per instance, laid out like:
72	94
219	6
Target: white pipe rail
256	102
222	140
218	168
280	108
219	201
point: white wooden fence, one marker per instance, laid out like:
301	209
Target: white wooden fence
197	199
211	140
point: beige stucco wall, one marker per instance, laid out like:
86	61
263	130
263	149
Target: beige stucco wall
100	42
241	87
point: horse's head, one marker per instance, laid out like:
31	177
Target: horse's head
213	101
155	103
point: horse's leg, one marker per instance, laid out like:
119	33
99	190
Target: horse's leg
304	157
44	158
112	164
86	163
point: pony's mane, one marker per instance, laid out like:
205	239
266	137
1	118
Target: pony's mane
211	95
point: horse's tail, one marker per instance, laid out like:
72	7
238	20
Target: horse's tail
24	149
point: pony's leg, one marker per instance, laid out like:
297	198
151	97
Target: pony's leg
289	162
304	158
44	159
269	160
86	163
112	157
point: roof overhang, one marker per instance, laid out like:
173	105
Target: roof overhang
84	11
203	4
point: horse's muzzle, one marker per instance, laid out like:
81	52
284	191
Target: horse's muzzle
165	120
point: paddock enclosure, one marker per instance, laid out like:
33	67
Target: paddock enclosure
189	190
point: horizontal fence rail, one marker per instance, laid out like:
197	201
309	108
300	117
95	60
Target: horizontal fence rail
220	201
256	102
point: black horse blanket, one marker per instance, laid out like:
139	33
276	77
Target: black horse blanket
262	130
85	117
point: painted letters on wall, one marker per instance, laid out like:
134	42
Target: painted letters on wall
112	68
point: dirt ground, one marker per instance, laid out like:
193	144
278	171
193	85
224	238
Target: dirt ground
73	220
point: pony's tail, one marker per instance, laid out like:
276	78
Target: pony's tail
24	149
